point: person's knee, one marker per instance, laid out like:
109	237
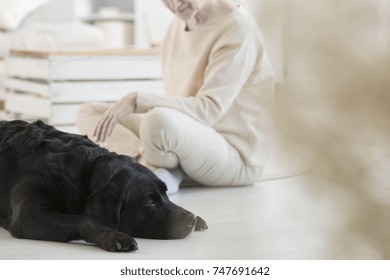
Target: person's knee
159	136
91	109
159	124
160	119
88	115
85	109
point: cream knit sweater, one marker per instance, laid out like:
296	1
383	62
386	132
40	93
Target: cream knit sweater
221	76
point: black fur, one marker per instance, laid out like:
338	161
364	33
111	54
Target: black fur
59	186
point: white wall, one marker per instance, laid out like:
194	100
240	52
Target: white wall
319	44
158	18
335	46
61	11
271	16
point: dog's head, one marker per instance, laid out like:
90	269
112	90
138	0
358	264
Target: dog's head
128	197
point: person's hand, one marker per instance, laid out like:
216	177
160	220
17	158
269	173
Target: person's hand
111	117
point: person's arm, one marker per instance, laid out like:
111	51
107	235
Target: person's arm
230	65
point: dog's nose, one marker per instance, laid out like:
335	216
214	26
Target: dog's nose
200	224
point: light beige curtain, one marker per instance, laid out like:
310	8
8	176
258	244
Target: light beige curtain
301	33
335	46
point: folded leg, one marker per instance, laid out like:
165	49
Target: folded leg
124	139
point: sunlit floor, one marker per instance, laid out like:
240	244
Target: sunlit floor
275	219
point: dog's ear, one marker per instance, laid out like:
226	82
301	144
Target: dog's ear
107	198
106	206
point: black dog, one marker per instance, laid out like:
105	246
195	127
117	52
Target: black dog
59	186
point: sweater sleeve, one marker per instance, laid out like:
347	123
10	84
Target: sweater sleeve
231	62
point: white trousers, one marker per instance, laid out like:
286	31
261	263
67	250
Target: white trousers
169	139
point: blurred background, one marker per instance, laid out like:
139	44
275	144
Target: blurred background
332	59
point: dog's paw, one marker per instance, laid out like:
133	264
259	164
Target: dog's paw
200	224
117	242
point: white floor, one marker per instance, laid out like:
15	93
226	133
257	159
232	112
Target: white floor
270	220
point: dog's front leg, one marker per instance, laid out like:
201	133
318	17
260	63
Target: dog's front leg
105	237
52	226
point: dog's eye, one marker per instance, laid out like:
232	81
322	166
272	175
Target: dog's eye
150	202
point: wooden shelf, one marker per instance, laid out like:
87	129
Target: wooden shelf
52	84
46	53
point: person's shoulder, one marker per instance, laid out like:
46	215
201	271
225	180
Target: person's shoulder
175	25
240	24
240	18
